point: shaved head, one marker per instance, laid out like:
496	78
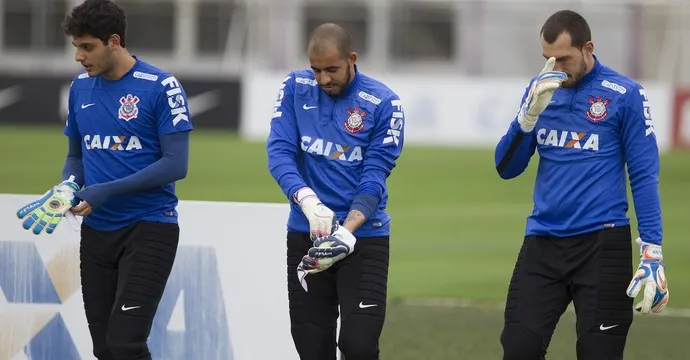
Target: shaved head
326	35
332	58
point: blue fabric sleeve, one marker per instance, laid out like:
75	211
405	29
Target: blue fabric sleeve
73	164
384	149
172	113
71	129
642	158
515	149
282	145
172	166
366	204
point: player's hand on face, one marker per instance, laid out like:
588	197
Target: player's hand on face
83	209
540	93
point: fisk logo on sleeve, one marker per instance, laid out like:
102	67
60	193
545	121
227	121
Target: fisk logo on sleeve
176	101
396	124
281	94
647	114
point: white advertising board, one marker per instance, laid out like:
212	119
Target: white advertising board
440	110
221	303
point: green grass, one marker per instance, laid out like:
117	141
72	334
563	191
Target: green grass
456	231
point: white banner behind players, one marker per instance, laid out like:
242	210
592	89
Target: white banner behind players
441	110
221	303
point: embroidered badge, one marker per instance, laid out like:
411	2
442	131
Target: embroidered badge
355	123
128	108
597	111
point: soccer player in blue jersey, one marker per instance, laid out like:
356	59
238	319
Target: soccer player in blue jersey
587	122
335	137
128	129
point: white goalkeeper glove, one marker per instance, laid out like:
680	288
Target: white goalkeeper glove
651	275
326	251
321	219
539	95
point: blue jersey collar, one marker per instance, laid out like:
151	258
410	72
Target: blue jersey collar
592	74
126	74
352	86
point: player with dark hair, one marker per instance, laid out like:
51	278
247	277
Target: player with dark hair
128	129
588	122
335	137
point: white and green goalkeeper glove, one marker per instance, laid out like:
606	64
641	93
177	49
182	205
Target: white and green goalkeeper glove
46	212
539	95
650	274
322	220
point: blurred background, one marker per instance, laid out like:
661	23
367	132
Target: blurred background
641	38
459	67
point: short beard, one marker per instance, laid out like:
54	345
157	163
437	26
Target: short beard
577	76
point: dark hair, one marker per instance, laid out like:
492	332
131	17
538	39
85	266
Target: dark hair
567	21
98	18
333	34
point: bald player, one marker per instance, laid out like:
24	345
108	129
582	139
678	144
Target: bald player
335	137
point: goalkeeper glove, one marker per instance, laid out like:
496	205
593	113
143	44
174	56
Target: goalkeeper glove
326	251
539	95
650	274
321	219
47	211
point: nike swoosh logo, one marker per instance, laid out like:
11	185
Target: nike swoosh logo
201	103
84	106
603	328
305	107
362	306
124	308
10	96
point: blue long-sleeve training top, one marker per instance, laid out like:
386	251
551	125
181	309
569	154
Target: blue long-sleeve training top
134	144
340	147
585	138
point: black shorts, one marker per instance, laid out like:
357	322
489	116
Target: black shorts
354	288
123	276
591	270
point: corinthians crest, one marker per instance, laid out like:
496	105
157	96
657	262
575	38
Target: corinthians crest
128	108
597	111
355	123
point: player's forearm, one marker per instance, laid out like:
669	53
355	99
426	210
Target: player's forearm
73	164
513	152
646	199
363	207
373	182
171	167
283	168
164	171
354	220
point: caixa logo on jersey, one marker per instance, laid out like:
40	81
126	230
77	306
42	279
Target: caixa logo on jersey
43	317
331	150
568	139
112	142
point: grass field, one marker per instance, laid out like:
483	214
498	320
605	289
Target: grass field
456	232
